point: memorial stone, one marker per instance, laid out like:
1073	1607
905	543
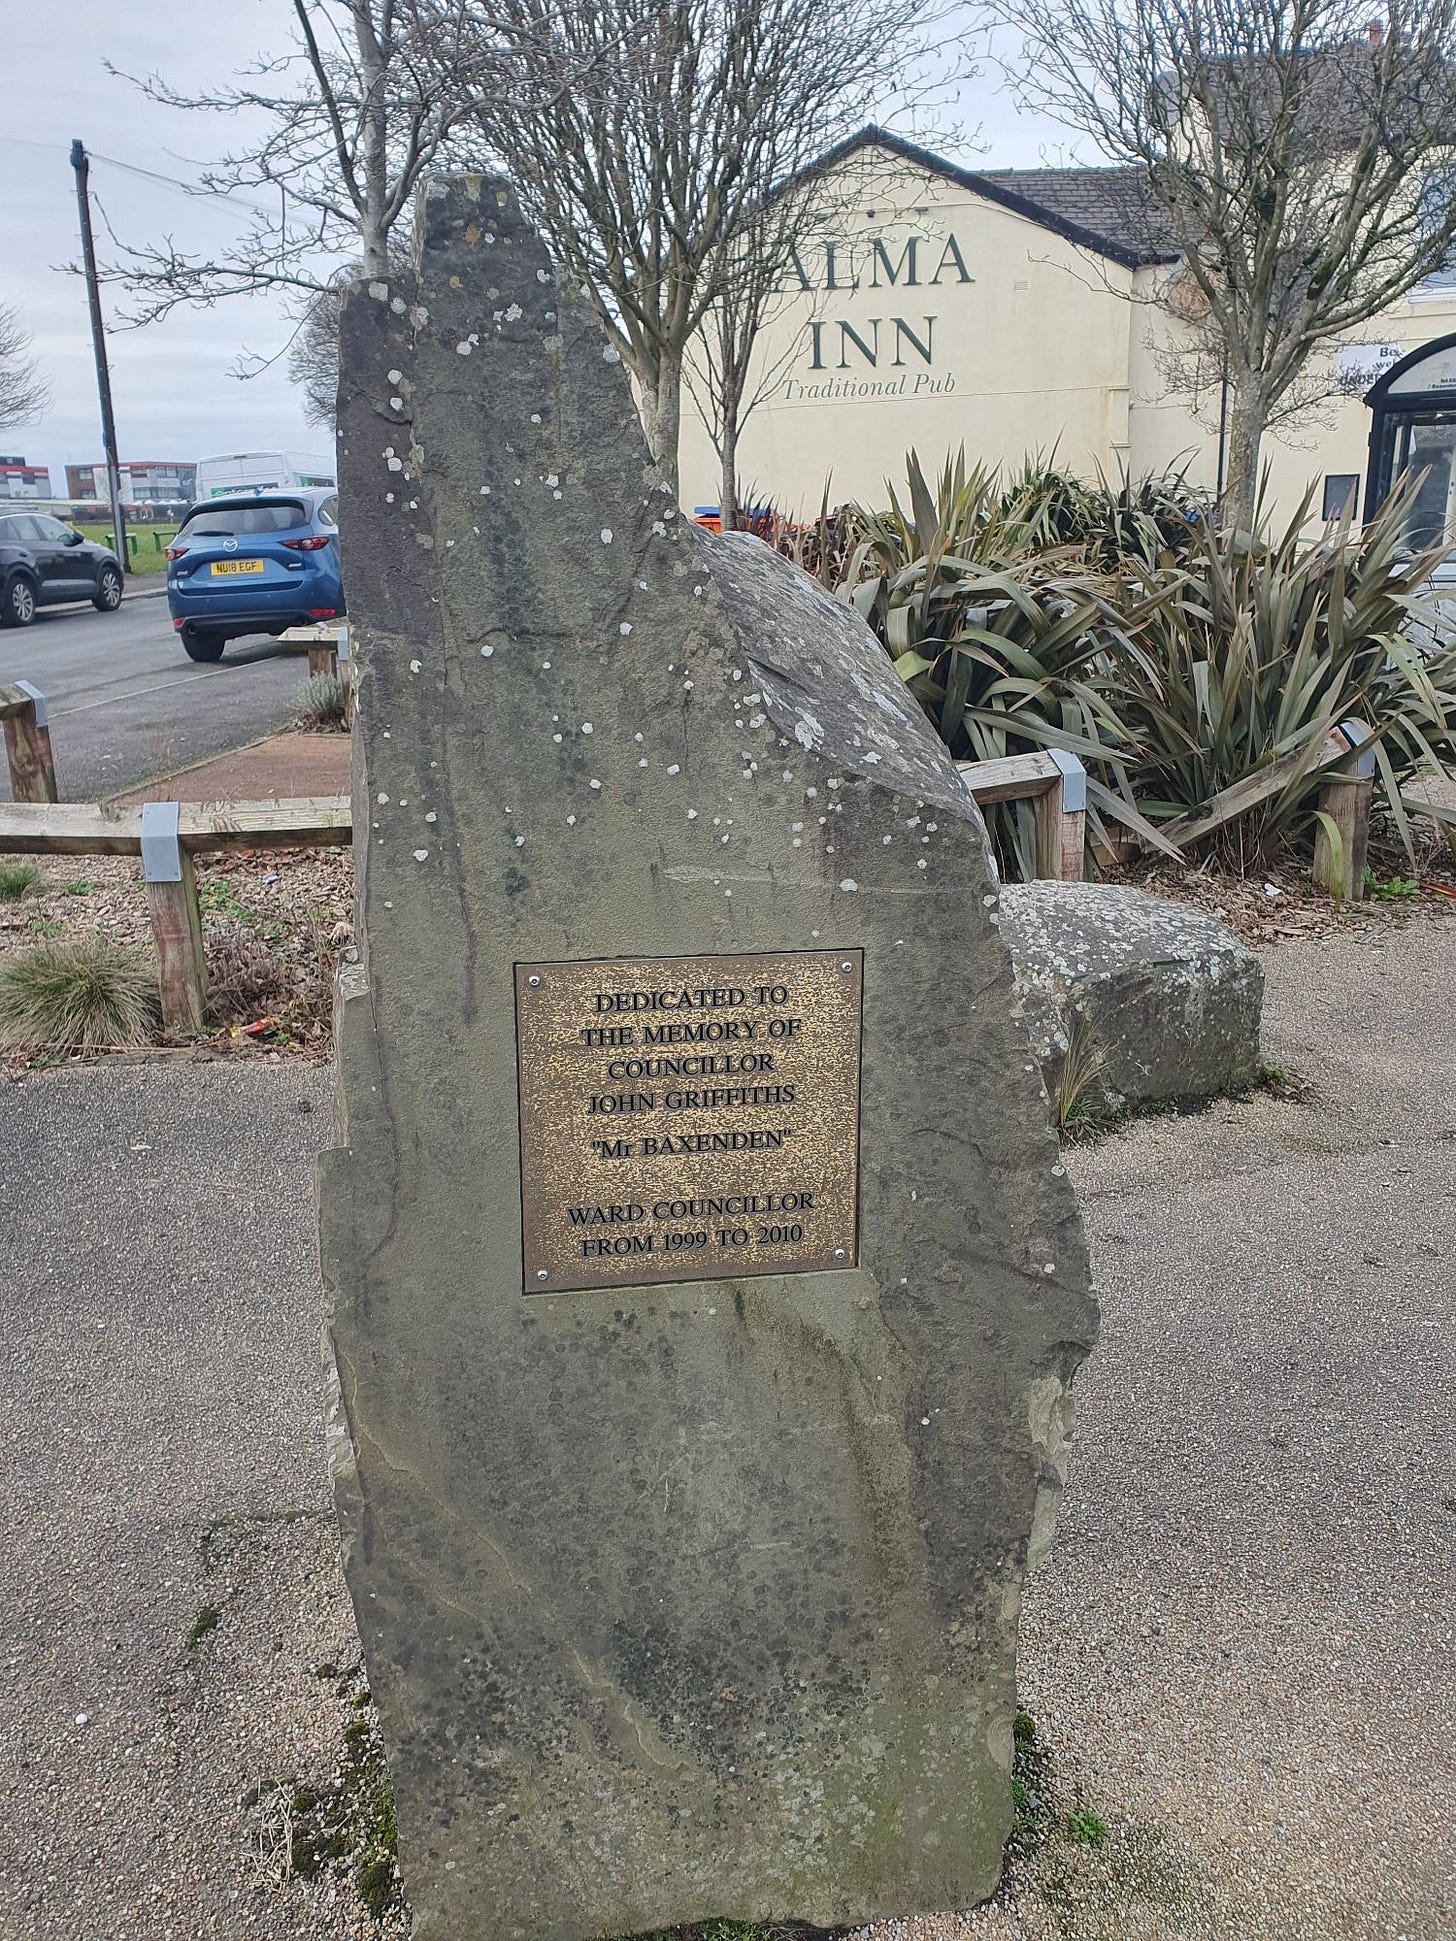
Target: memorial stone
703	1285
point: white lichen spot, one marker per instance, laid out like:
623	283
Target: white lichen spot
606	535
395	376
430	816
571	822
692	815
586	727
396	404
920	862
849	884
687	687
610	354
382	799
594	783
379	292
520	842
486	652
659	528
396	464
674	768
415	666
421	854
887	840
643	762
625	628
556	736
535	417
514	314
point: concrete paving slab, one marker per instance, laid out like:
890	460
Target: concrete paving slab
1241	1651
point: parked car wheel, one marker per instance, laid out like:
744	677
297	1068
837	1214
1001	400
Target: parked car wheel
108	590
17	609
201	646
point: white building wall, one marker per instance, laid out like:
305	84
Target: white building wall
1010	341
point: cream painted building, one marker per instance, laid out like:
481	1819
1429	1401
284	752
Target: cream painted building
1013	312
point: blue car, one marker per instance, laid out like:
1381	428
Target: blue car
255	563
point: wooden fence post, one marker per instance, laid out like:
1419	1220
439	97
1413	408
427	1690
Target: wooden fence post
1072	833
1345	799
176	919
28	746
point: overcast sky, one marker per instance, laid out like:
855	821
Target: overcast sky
172	383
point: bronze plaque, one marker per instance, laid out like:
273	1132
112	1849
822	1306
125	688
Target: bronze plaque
688	1118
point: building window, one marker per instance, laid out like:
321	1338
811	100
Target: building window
1340	491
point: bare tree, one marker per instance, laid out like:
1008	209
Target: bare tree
364	101
651	183
1294	154
754	286
313	355
24	393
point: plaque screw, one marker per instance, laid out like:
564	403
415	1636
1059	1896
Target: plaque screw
839	1253
541	1273
846	965
533	980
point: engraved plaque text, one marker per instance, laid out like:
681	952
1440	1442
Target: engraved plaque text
688	1118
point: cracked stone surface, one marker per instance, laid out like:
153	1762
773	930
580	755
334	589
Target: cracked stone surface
1158	1000
699	1599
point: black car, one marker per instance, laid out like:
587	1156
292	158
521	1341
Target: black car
43	562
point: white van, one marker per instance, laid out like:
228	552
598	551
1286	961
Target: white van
261	472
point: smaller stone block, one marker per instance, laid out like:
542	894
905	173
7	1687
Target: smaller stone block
1157	1000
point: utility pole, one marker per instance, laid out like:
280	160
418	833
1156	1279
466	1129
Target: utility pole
80	162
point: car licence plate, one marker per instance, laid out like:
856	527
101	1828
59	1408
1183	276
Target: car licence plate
223	567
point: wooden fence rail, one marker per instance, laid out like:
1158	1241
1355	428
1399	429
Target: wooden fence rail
1055	783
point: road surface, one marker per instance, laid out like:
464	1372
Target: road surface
126	703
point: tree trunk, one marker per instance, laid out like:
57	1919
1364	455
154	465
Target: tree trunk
728	489
1247	414
373	150
662	417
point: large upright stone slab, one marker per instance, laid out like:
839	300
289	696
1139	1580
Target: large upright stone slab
687	1573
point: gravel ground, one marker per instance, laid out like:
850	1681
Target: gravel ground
1239	1657
274	924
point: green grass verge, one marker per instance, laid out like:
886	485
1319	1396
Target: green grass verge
145	545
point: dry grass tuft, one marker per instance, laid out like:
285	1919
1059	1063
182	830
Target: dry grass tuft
17	880
82	994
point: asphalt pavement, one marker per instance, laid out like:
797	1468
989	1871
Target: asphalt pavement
1239	1654
125	702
